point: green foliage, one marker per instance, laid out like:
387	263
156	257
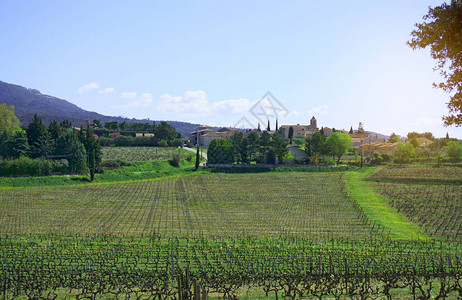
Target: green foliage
441	32
8	120
414	142
299	141
291	134
318	141
220	151
164	131
454	150
14	145
38	138
130	154
237	139
279	146
427	135
404	153
394	138
28	166
175	160
163	143
339	143
68	146
176	143
196	166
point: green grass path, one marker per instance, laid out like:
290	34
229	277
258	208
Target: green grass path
376	207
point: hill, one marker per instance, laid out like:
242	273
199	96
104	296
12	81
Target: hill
28	102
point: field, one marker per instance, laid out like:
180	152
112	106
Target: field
275	234
137	153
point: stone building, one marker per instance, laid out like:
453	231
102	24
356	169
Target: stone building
300	131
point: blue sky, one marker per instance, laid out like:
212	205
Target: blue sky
209	62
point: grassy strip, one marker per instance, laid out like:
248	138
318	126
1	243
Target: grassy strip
377	209
145	171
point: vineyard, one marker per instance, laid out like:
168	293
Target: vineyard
278	235
137	153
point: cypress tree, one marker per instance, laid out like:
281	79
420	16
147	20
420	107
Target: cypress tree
197	158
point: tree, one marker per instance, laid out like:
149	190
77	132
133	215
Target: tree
454	150
265	148
220	151
414	142
339	143
92	164
394	138
96	123
251	145
15	145
55	130
351	130
308	149
268	128
123	125
111	125
38	138
69	146
196	166
291	134
404	153
93	148
317	141
165	131
427	135
239	149
279	146
441	31
8	120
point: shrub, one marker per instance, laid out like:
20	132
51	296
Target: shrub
404	153
123	141
163	143
176	143
175	160
24	166
453	150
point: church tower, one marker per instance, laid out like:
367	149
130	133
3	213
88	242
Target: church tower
313	123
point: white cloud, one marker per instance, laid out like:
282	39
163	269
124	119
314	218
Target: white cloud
320	110
88	87
296	112
195	102
129	95
106	91
144	101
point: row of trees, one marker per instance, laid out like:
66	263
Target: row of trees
269	149
77	152
335	146
266	149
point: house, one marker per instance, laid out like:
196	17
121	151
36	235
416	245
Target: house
138	134
300	131
205	134
379	147
359	139
424	142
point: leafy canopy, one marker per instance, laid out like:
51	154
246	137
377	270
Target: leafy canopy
8	120
442	32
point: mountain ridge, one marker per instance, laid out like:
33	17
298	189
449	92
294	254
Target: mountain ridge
28	101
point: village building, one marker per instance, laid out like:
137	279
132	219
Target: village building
300	131
379	147
205	134
139	134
